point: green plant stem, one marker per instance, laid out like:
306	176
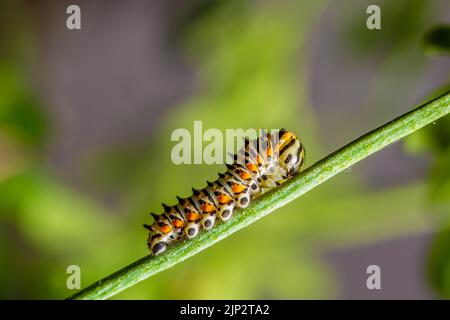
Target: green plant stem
300	184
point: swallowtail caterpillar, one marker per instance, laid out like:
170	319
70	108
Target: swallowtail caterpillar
261	165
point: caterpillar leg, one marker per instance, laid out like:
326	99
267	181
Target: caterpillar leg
255	189
243	199
193	225
157	241
226	211
208	221
208	212
192	229
158	247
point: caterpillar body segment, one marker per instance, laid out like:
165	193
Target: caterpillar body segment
261	165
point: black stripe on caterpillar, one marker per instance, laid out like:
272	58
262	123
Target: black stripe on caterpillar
259	166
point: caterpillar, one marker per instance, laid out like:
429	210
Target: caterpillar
260	165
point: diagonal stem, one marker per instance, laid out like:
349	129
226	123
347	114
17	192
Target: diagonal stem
297	186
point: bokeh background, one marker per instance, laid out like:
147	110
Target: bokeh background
86	118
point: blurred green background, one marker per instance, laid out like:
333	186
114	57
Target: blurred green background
86	118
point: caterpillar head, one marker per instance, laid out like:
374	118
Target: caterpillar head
291	152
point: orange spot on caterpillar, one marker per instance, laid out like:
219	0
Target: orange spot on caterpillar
223	199
252	167
245	175
192	216
207	208
237	188
259	159
166	228
178	223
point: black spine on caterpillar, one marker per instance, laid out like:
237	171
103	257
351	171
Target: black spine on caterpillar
259	166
